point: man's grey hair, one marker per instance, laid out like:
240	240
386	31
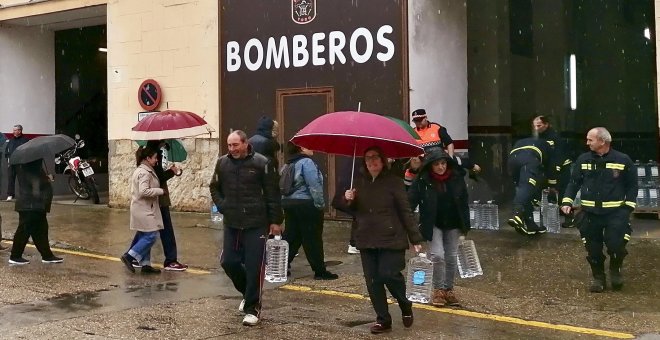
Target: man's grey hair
241	135
603	134
18	126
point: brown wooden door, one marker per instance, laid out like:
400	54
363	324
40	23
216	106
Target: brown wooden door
295	109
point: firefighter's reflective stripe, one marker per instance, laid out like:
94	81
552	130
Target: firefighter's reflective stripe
608	204
626	237
530	147
631	204
567	200
558	168
586	166
552	181
551	142
615	166
532	181
584	240
567	162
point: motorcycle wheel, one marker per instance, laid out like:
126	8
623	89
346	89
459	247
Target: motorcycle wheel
93	190
78	188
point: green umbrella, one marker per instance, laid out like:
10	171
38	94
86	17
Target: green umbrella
404	125
176	152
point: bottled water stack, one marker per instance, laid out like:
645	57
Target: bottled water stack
536	215
468	260
216	216
419	283
475	215
550	214
490	216
653	197
643	200
652	173
641	174
277	259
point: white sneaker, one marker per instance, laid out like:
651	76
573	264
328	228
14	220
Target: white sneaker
241	306
250	320
353	250
9	198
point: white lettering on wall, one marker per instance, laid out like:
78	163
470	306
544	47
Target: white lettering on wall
300	54
361	58
253	43
336	43
317	48
279	54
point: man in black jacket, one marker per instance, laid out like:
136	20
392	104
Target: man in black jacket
245	188
32	205
608	182
18	140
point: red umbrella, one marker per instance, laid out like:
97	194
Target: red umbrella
170	124
350	133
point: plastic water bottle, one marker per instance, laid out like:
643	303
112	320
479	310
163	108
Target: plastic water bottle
652	173
641	173
642	198
550	213
536	215
475	218
468	259
277	259
492	215
216	216
419	285
653	197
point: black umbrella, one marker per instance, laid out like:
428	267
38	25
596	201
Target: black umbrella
44	147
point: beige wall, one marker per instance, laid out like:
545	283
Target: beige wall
657	48
174	42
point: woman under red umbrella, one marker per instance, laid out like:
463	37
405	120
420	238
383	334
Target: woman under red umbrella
384	230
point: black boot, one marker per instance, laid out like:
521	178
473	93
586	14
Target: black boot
615	272
1	246
517	222
533	228
598	281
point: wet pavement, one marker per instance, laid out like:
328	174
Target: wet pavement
531	287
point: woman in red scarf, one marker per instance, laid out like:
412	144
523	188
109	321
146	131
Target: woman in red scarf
444	217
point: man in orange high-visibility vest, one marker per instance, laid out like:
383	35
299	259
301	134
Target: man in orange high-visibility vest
432	135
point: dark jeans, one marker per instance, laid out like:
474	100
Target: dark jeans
382	268
304	226
31	224
242	259
11	180
166	237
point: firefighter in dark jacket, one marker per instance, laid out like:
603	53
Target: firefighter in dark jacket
608	182
245	188
529	166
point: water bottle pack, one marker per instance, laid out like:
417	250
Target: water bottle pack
277	259
468	259
484	216
419	283
550	213
648	185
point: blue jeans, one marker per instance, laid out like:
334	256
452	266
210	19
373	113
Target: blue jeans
444	247
141	250
166	237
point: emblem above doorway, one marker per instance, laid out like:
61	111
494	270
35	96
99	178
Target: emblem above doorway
303	11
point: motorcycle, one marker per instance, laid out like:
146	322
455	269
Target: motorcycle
81	175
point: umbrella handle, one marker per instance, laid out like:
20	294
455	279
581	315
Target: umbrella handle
353	167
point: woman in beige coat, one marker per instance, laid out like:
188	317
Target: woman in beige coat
146	218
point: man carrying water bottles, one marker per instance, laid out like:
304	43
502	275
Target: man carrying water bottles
245	188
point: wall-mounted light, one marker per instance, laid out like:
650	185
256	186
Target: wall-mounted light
647	33
103	49
572	69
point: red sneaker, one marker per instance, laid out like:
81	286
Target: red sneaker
176	266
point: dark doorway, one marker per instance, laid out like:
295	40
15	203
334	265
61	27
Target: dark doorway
296	108
81	102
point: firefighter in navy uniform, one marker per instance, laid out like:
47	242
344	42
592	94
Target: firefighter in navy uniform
608	181
529	166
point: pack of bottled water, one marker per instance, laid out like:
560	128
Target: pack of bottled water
550	213
216	216
484	216
536	215
419	283
277	259
648	190
468	259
